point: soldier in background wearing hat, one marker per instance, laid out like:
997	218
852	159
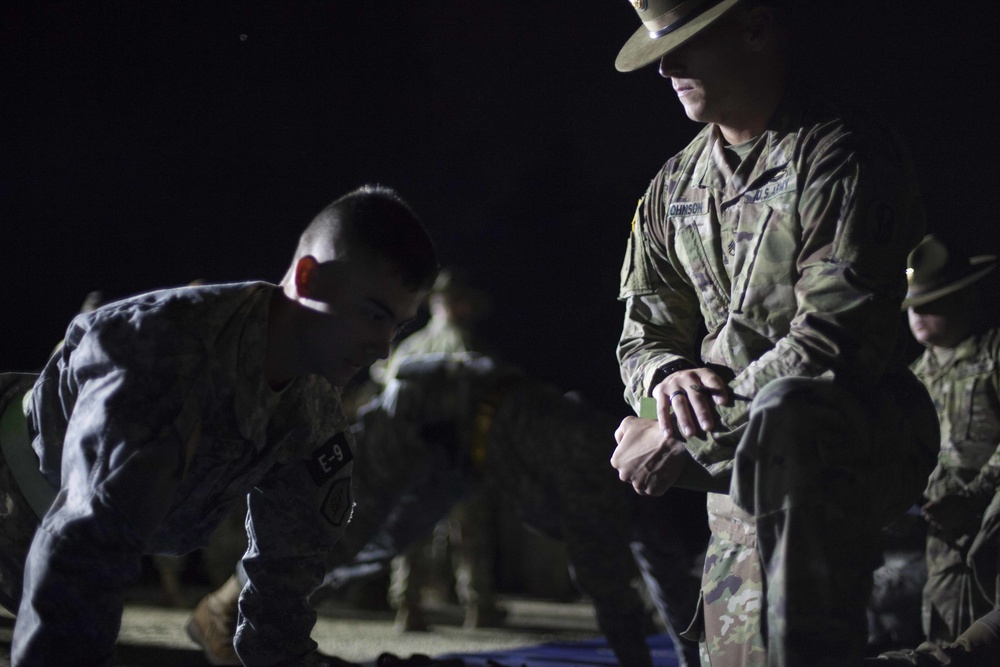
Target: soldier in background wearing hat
961	370
763	280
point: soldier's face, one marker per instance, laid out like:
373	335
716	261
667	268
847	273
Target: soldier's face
707	72
352	317
944	322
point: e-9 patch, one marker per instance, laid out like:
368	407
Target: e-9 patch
330	458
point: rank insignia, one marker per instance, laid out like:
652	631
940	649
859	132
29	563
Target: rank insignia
330	458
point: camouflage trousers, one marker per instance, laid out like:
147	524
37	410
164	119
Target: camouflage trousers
18	521
466	536
953	597
817	473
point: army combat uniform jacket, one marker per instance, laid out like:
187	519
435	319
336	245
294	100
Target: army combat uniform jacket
966	393
784	261
154	421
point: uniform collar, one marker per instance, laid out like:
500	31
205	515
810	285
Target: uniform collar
772	150
964	351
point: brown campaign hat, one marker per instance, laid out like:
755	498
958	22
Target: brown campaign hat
934	270
666	24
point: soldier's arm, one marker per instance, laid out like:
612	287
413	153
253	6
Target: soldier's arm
296	515
986	484
662	313
123	455
395	442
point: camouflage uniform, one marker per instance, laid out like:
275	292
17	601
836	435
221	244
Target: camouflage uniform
962	566
468	525
154	420
783	272
452	422
438	336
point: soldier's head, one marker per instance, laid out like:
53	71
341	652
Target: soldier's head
454	299
724	58
360	270
942	300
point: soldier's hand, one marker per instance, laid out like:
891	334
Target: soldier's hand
646	457
691	395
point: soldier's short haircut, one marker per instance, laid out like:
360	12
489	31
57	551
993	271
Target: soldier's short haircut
375	222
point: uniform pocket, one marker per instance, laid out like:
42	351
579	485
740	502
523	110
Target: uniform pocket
980	423
703	273
764	285
746	275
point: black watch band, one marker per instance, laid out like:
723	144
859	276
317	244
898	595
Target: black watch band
668	369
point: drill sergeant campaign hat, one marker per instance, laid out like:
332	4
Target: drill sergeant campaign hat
666	25
934	270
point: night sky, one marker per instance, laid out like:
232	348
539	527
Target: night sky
146	144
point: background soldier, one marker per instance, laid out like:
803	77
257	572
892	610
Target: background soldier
469	531
961	370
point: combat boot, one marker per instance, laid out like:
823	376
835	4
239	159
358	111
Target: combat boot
213	624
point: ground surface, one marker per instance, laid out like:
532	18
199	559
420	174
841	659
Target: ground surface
153	635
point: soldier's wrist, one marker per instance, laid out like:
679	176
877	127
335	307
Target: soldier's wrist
666	370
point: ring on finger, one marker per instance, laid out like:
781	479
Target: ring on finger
679	392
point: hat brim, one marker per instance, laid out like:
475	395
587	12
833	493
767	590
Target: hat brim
934	295
640	50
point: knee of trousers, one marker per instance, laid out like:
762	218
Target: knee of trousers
805	440
790	414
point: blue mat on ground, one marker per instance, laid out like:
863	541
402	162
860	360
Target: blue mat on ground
568	654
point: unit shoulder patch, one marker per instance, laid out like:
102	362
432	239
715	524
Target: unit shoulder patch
336	506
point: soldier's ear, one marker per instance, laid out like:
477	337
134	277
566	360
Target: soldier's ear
306	277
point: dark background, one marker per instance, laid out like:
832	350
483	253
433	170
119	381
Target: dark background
146	144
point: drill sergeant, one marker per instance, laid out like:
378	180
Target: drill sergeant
961	369
762	284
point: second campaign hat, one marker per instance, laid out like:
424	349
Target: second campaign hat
934	270
666	25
